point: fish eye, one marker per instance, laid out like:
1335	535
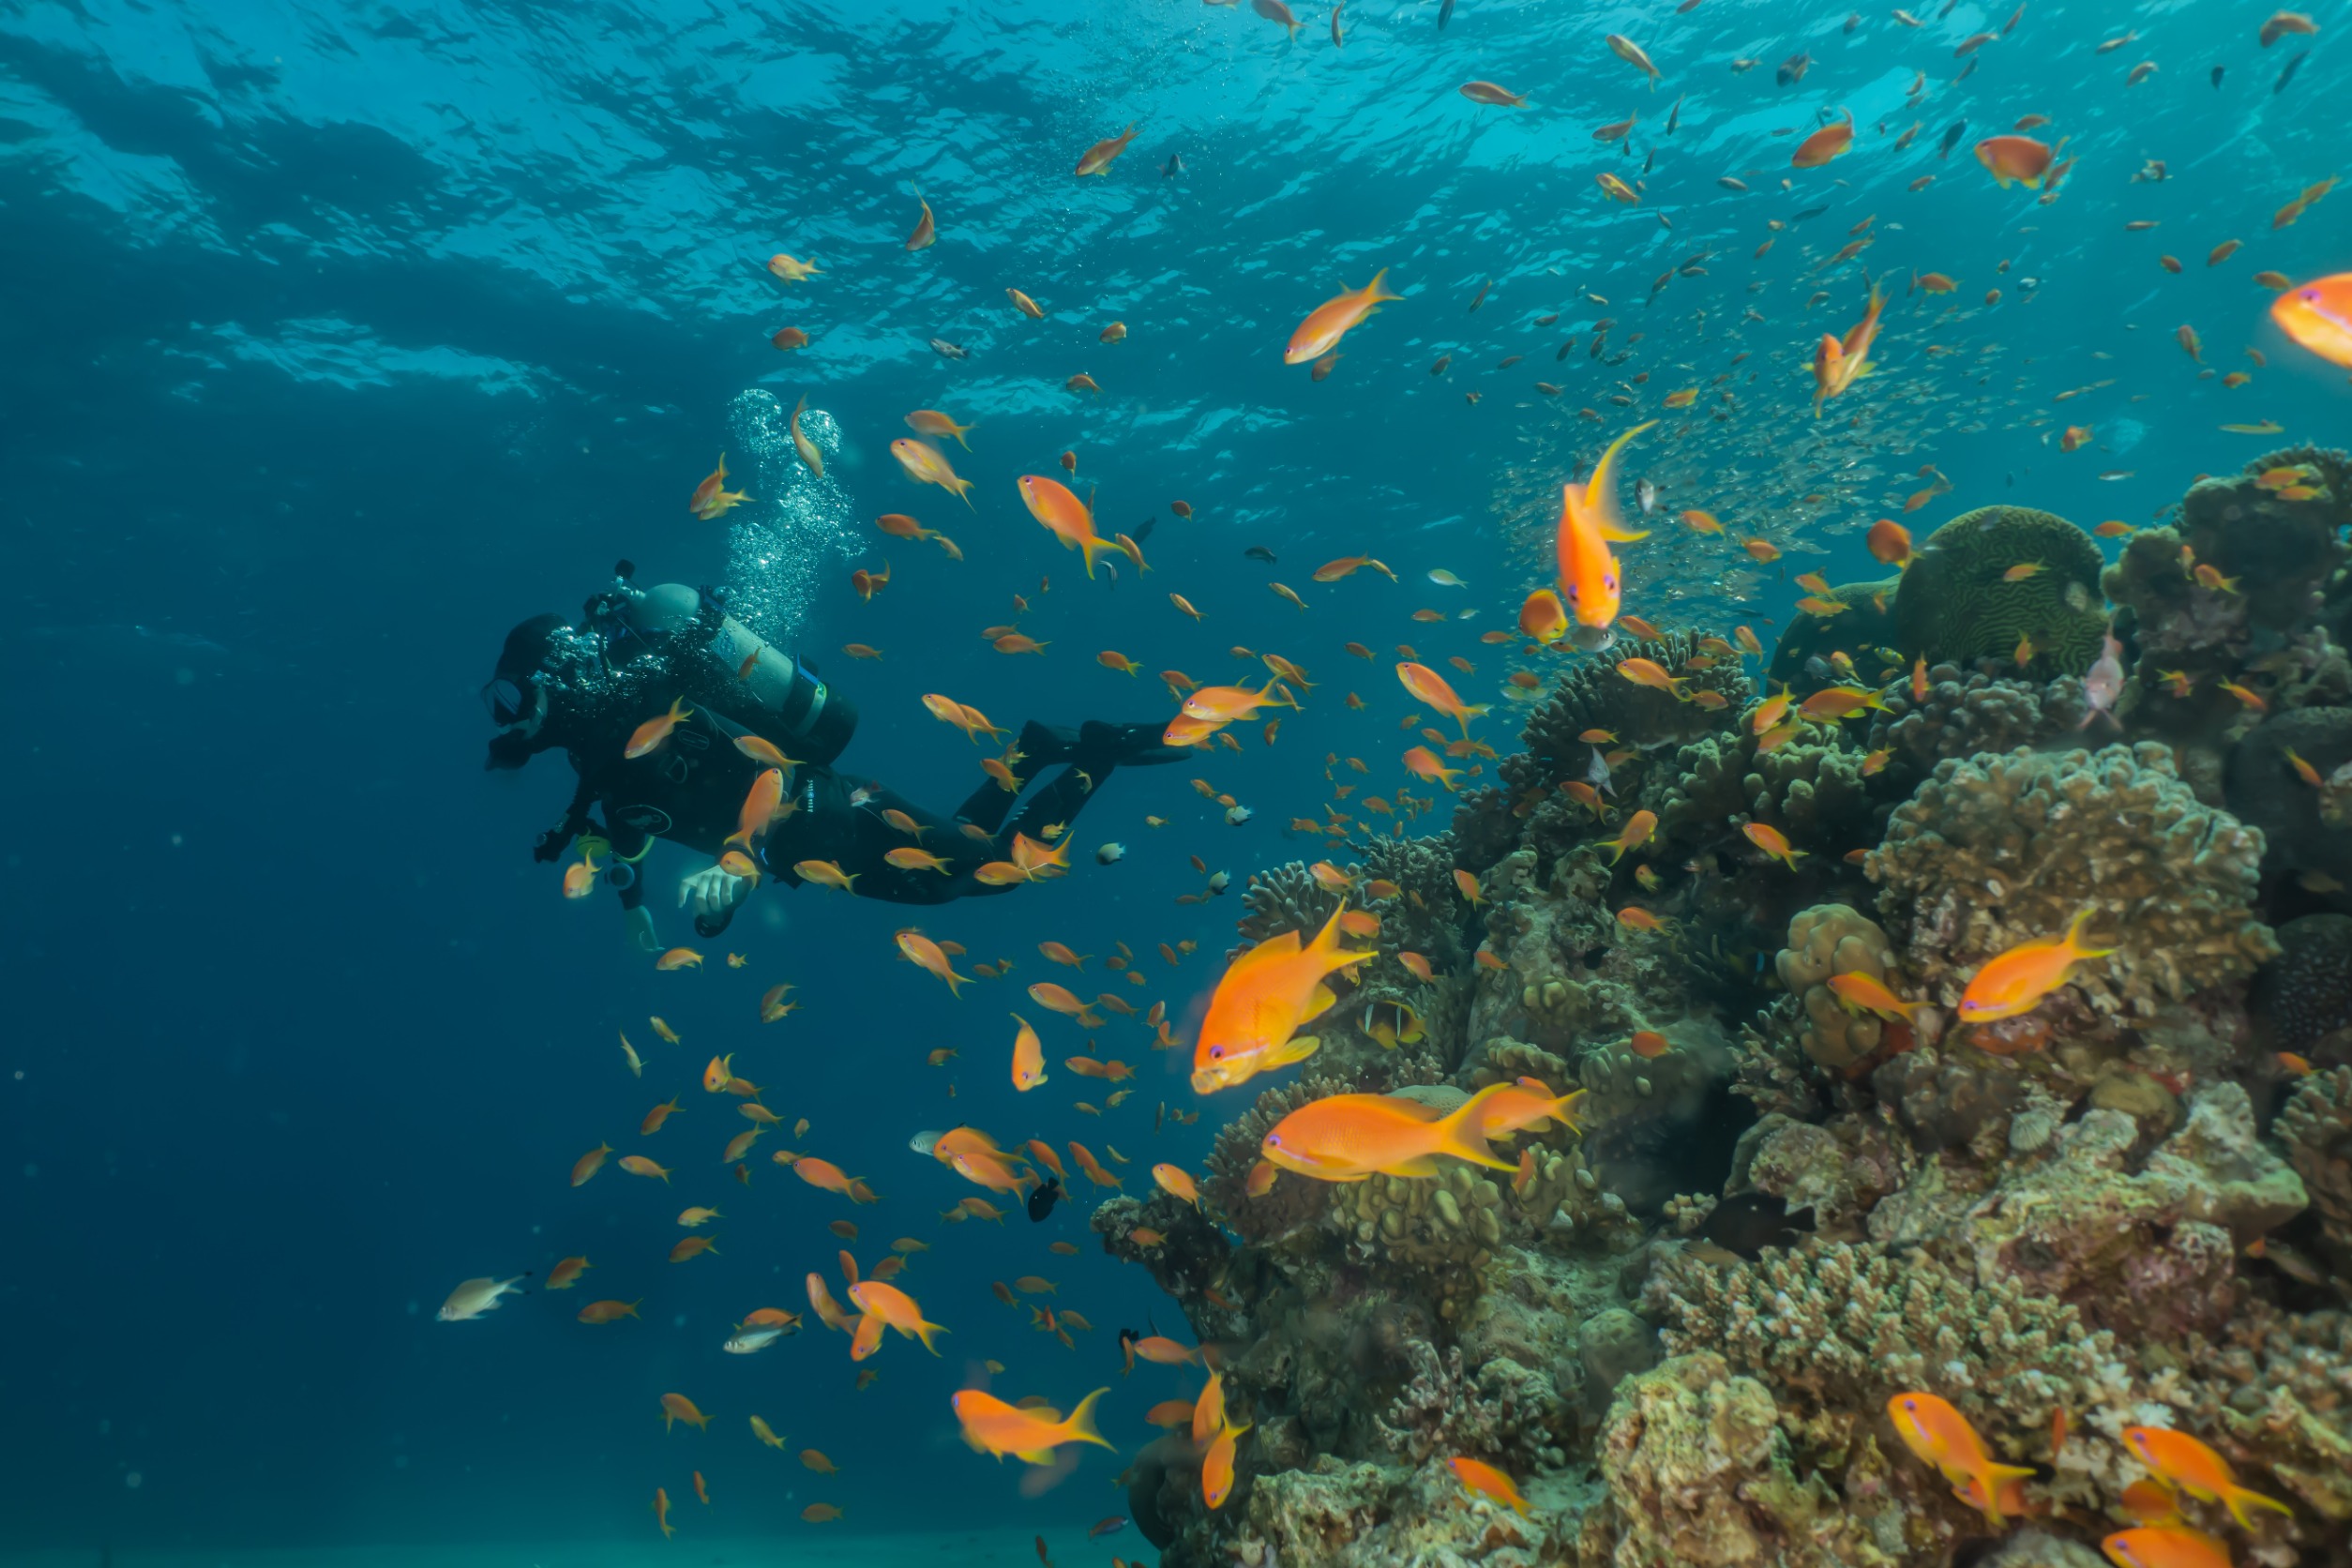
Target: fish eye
1216	1053
1610	583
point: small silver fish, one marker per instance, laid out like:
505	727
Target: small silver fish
1598	773
1647	493
1220	880
1110	855
1236	815
474	1297
947	349
924	1142
2104	684
746	1342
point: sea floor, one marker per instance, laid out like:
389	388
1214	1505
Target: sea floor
812	1548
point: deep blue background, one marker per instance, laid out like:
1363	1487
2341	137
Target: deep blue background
341	336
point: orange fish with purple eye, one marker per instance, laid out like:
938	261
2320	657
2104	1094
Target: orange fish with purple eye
1029	1433
2317	315
2016	981
1331	320
1590	578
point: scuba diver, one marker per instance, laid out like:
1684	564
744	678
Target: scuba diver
645	654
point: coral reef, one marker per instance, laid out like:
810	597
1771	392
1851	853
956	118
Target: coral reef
2305	827
1958	601
1995	852
1806	659
1676	1325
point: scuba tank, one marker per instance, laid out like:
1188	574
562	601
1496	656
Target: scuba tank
775	695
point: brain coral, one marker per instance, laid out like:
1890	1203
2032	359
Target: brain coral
1957	605
1997	851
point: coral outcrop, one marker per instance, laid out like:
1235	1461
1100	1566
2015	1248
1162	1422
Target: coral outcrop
1799	1182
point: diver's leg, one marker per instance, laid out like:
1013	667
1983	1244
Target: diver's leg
1058	800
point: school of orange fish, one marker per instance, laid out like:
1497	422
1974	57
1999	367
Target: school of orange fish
1267	995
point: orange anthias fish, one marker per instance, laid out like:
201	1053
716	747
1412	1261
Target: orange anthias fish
711	496
649	735
927	955
1263	1000
759	808
1590	577
1216	1466
930	421
1028	1057
1838	364
928	465
1098	158
1350	1137
2166	1545
1936	1432
888	1304
1067	517
2015	981
1489	1482
2318	316
1427	686
1029	1434
1824	144
2015	159
1332	320
2197	1470
1225	705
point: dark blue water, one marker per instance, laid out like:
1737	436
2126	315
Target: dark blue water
341	337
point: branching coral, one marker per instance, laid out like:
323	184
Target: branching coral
1700	1472
1293	1203
1841	1326
2001	851
2272	1392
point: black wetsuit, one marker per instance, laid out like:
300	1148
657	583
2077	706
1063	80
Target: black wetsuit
691	789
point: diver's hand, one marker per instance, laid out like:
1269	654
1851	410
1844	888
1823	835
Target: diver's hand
639	923
712	891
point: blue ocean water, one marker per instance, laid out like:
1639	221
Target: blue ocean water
344	335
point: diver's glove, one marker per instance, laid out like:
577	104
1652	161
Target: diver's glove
639	923
713	893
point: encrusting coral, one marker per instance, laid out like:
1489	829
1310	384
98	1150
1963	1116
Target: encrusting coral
1798	1183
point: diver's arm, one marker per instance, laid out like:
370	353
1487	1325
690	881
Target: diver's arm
553	841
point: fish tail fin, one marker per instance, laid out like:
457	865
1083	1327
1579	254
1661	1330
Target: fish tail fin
1460	1134
2075	937
1292	1051
1090	547
2236	1498
1079	1426
1376	290
963	489
924	1330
